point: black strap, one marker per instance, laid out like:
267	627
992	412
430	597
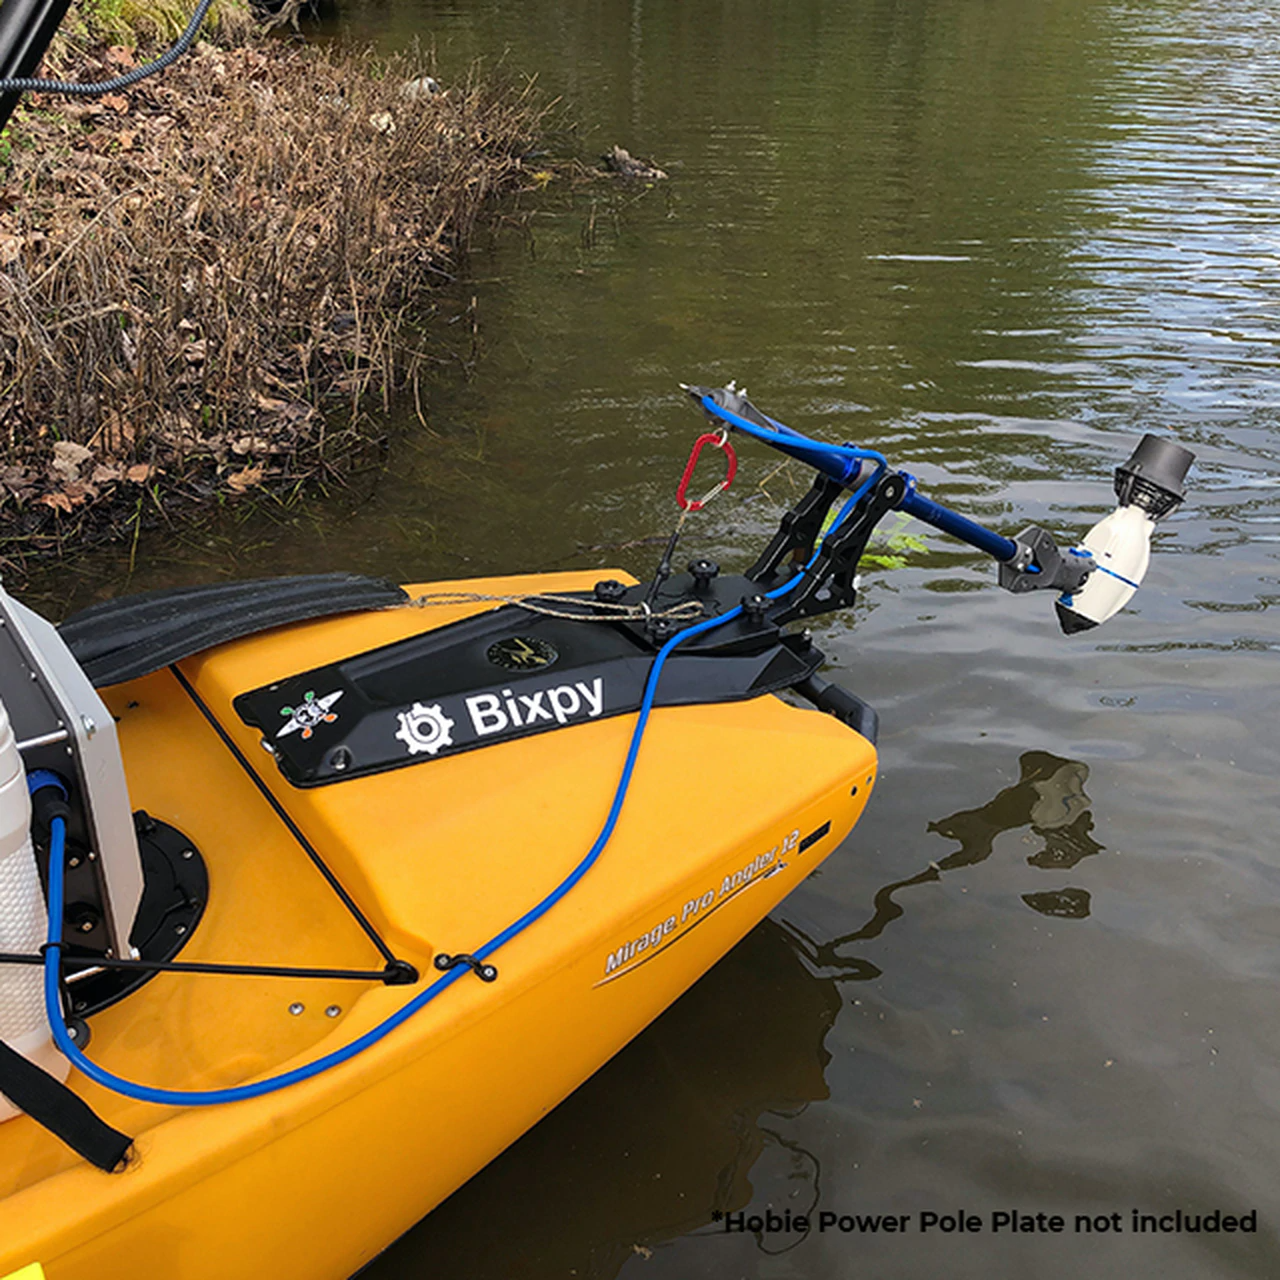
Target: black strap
50	1103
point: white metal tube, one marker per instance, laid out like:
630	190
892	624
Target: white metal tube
23	1025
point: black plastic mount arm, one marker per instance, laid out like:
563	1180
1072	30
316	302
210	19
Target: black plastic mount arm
831	581
797	530
1040	565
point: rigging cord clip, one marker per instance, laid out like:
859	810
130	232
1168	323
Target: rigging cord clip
481	968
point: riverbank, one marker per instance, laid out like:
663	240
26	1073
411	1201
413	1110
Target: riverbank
205	281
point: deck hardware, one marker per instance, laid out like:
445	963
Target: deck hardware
484	971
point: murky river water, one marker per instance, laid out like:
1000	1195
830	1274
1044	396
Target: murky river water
998	241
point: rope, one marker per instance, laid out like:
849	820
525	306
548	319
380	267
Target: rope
601	611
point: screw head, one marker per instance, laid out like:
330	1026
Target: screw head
296	1008
332	1011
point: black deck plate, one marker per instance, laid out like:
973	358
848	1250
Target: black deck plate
463	686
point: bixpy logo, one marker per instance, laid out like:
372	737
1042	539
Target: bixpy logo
494	712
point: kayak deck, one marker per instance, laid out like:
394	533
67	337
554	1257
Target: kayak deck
730	806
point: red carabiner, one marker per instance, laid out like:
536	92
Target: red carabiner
721	441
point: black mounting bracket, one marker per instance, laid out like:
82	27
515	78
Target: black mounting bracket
1041	566
831	581
481	968
797	530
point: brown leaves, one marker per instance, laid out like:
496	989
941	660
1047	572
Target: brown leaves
248	478
17	481
67	459
286	414
70	497
58	501
70	490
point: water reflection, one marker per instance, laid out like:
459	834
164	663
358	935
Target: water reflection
656	1141
1049	798
1067	904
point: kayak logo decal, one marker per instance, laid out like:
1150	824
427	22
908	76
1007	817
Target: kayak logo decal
424	729
639	951
495	712
309	713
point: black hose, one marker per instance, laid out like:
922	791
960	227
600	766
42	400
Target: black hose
74	89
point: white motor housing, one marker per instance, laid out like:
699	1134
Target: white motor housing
23	921
1121	548
1149	485
62	725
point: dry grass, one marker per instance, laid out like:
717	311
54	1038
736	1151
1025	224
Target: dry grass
201	281
91	25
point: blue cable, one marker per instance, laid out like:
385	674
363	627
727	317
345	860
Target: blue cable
259	1088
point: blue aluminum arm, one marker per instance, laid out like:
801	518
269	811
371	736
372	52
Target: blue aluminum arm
976	535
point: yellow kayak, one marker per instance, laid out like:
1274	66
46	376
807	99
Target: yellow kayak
441	845
315	894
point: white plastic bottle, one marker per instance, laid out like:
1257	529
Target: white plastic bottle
23	923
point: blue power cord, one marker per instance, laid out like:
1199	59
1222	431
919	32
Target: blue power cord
258	1088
